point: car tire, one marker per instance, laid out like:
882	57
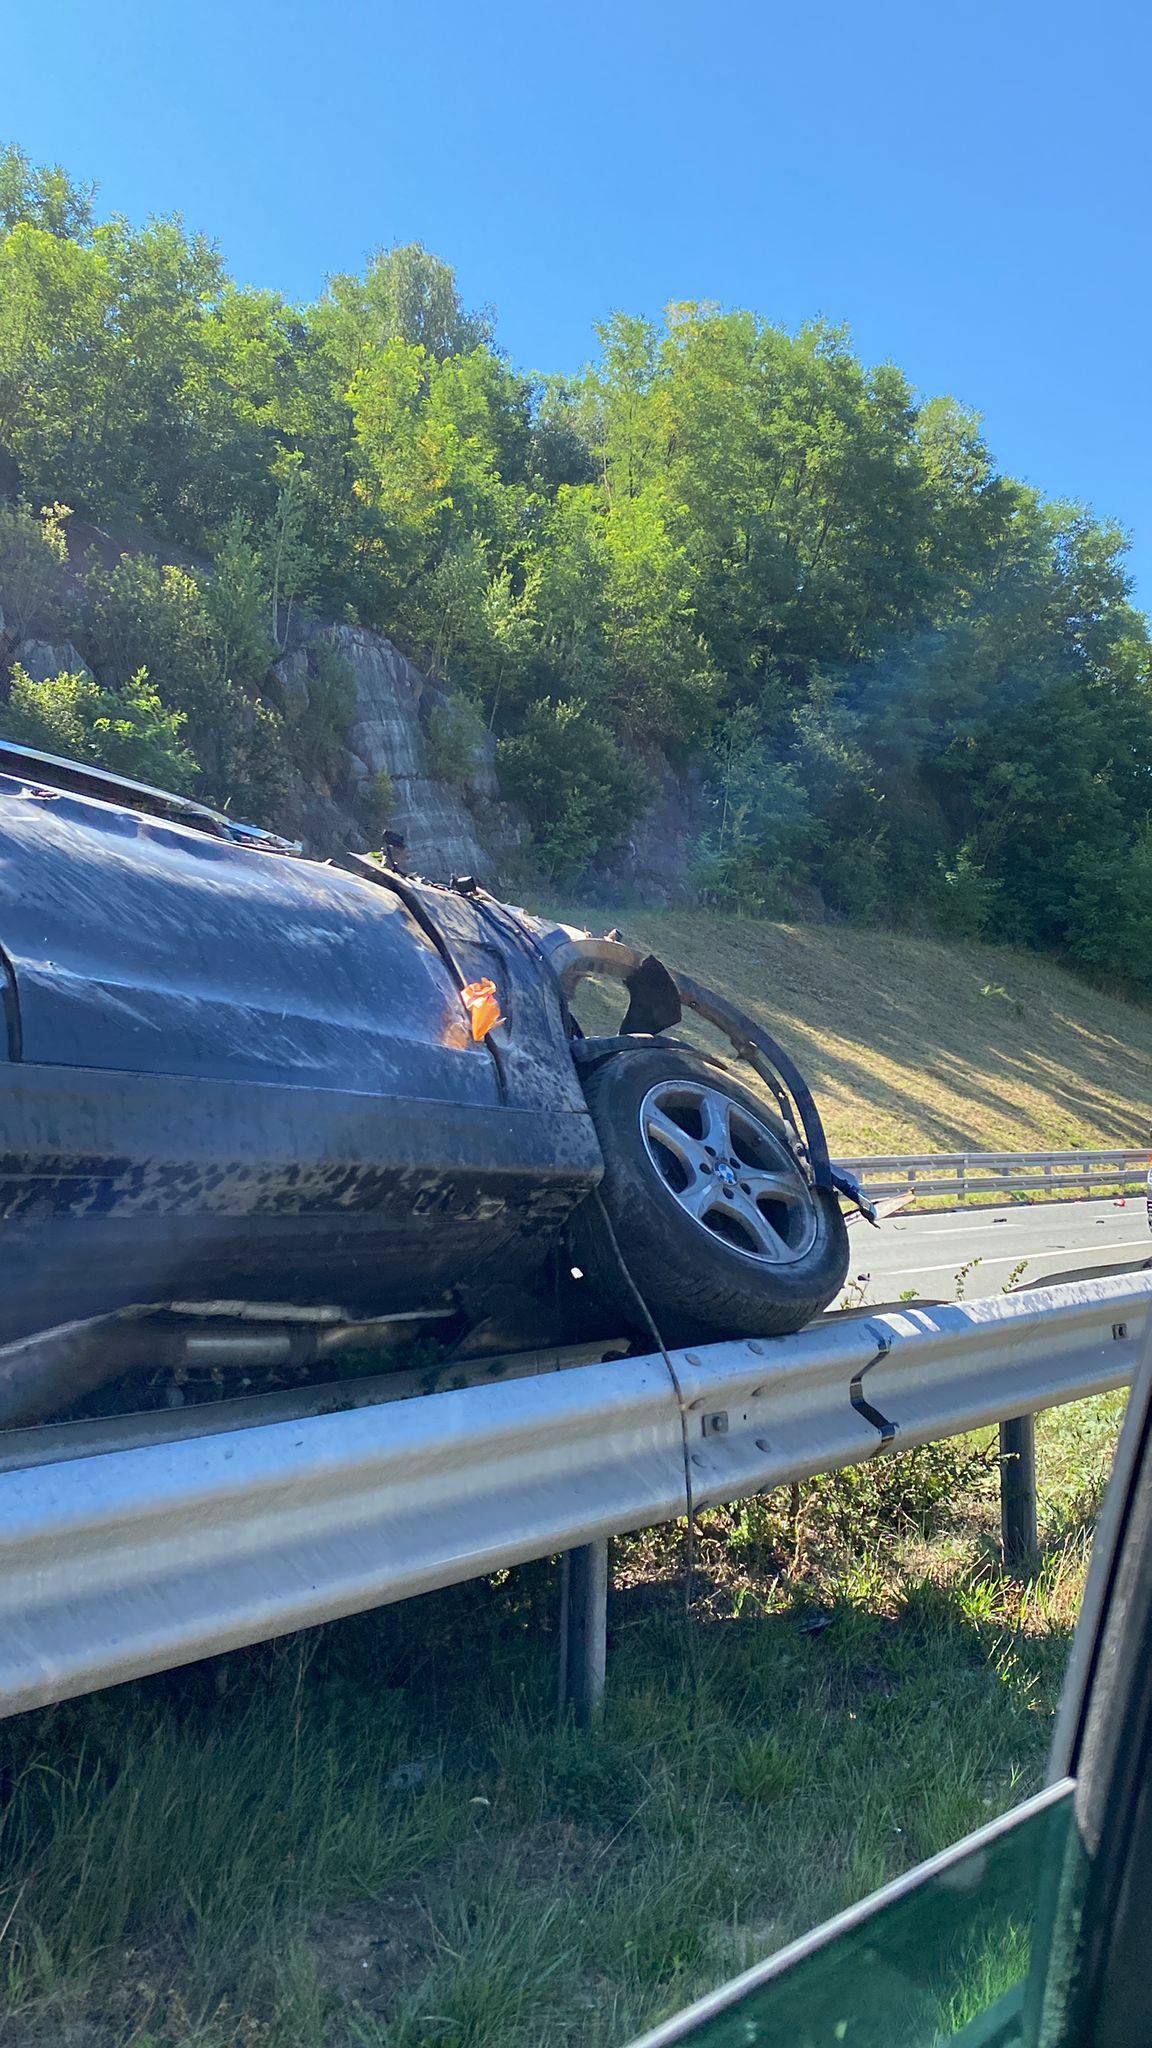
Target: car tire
719	1228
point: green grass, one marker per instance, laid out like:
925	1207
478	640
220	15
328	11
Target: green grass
910	1045
377	1836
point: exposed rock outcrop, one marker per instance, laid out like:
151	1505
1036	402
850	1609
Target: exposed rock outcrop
451	823
43	659
656	864
420	762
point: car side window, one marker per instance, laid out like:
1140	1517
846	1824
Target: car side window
943	1956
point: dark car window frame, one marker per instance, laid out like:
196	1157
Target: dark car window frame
1098	1992
876	1907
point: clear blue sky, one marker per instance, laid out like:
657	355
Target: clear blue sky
966	185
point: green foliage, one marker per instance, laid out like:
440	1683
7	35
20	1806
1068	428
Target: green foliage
129	731
318	726
580	793
406	294
235	602
377	802
150	614
914	685
43	196
617	626
288	562
55	715
450	738
866	1503
184	631
135	733
965	898
1111	912
445	614
33	553
109	374
762	819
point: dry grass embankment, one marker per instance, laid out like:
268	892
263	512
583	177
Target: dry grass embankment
911	1045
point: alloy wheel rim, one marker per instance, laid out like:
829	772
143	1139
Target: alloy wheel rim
730	1174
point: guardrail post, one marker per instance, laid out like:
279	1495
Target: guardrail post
584	1577
1019	1533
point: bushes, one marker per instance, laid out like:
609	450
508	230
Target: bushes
145	614
762	821
129	731
154	616
33	552
377	803
318	724
235	604
964	898
55	715
452	737
1110	928
932	692
580	792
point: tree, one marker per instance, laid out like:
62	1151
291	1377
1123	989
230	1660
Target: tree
761	819
236	604
43	196
33	556
129	731
152	616
288	563
55	306
912	682
581	795
406	294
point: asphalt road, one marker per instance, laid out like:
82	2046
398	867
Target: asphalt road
927	1252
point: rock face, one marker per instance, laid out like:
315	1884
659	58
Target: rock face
43	659
657	864
423	765
403	724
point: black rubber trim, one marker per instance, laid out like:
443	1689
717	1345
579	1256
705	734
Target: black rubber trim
741	1028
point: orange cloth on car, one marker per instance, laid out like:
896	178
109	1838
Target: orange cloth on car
480	1000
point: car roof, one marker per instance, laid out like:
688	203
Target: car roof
82	779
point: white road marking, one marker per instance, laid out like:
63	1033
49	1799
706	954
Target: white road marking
1016	1258
909	1223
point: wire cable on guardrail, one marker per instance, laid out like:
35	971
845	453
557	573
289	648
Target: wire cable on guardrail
662	1348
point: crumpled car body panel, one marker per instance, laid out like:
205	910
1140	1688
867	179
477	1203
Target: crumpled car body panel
226	1072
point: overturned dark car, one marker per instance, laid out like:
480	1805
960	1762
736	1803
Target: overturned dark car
250	1100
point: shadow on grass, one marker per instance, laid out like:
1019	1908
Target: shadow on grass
944	1051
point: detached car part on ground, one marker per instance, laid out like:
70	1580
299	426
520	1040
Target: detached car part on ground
257	1107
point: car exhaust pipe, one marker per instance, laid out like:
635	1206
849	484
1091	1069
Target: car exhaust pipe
50	1370
45	1373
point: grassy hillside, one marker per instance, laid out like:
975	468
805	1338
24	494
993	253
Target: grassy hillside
911	1045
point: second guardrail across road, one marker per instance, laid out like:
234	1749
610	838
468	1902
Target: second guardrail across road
962	1174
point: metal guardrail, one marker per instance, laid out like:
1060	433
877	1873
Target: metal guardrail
989	1173
130	1561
